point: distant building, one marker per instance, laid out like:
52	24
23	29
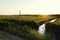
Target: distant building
19	12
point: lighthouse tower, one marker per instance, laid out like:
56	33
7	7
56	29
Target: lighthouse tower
19	12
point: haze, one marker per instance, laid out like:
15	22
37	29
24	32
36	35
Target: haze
30	7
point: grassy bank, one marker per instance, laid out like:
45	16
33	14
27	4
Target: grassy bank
23	26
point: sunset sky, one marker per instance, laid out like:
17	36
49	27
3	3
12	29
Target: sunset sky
12	7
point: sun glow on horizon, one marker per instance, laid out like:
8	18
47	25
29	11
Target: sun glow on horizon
30	7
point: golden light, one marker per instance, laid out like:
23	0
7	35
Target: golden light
45	16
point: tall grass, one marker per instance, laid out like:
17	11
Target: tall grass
24	30
23	26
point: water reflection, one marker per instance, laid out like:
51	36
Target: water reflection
41	28
53	20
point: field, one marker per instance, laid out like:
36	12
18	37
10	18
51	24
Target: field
26	26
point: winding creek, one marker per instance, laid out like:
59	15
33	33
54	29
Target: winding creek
41	29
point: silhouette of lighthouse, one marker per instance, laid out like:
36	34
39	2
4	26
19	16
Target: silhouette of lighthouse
19	12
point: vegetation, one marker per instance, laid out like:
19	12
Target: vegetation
22	29
24	26
53	30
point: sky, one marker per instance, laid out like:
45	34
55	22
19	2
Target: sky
30	7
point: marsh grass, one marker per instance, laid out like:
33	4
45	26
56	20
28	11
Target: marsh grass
23	26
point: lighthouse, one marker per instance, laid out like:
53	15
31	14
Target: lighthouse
19	12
